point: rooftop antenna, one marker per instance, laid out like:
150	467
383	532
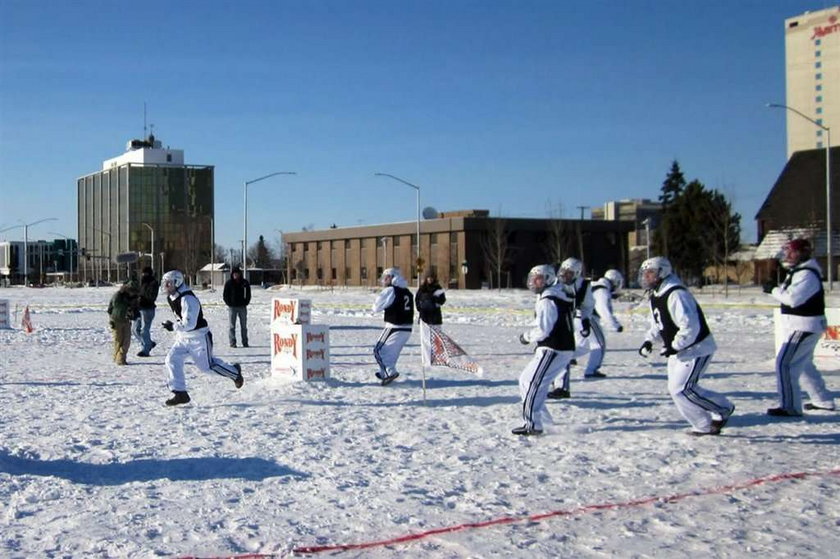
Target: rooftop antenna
144	119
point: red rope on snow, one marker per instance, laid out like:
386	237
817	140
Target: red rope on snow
546	515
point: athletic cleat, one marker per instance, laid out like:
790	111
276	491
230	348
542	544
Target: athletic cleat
558	394
573	362
178	398
388	380
811	406
239	380
526	431
596	374
782	412
719	424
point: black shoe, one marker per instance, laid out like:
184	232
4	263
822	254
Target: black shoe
178	398
596	374
233	344
244	344
782	412
388	380
153	346
573	362
142	354
558	394
719	424
239	380
526	431
810	406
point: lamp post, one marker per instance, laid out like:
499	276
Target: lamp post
70	250
384	252
417	188
152	250
26	227
245	236
646	223
829	263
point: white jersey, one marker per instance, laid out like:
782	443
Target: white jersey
602	293
803	286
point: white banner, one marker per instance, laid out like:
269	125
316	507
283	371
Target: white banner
829	344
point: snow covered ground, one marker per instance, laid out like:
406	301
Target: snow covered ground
92	464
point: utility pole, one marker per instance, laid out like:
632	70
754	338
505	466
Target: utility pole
582	209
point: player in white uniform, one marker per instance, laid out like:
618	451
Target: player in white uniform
603	292
677	320
802	301
397	303
570	278
192	339
552	332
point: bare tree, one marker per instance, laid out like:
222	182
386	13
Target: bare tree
561	238
494	244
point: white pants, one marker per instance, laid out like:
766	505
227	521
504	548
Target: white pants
200	349
594	344
387	350
795	358
535	381
697	405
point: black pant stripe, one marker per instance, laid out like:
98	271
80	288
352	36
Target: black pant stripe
529	401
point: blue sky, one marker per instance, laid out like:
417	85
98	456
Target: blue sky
524	108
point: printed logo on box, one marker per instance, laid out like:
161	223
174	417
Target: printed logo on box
291	311
286	344
316	373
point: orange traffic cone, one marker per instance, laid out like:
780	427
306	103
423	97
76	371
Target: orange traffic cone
26	323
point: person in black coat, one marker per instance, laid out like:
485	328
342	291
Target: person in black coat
142	326
430	297
237	296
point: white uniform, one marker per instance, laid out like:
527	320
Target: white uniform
581	292
398	306
547	362
192	339
802	330
677	320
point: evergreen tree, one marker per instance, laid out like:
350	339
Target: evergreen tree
672	188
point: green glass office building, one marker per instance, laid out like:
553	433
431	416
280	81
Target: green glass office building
148	202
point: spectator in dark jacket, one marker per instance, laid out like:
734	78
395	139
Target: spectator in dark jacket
430	297
237	296
143	323
122	309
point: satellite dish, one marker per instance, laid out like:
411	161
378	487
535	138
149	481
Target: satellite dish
430	213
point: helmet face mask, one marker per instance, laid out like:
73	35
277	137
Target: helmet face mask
570	270
388	276
795	252
615	278
171	281
653	271
540	277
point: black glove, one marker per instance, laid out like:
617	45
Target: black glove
667	352
769	285
620	328
585	327
645	349
523	340
112	324
167	325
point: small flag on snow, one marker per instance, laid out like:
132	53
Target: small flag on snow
26	323
442	351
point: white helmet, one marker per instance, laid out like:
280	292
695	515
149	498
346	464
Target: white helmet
663	270
389	273
546	273
570	270
172	278
615	278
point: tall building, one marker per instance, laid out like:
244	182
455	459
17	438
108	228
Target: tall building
145	201
812	75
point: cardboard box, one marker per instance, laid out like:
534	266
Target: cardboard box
300	351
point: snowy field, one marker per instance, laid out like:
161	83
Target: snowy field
92	464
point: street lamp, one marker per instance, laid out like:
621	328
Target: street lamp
646	223
110	256
26	227
827	185
70	250
417	188
245	240
152	251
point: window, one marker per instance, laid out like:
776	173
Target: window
818	76
819	99
433	238
819	87
364	273
396	241
818	54
819	145
819	133
818	42
819	110
818	64
334	274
